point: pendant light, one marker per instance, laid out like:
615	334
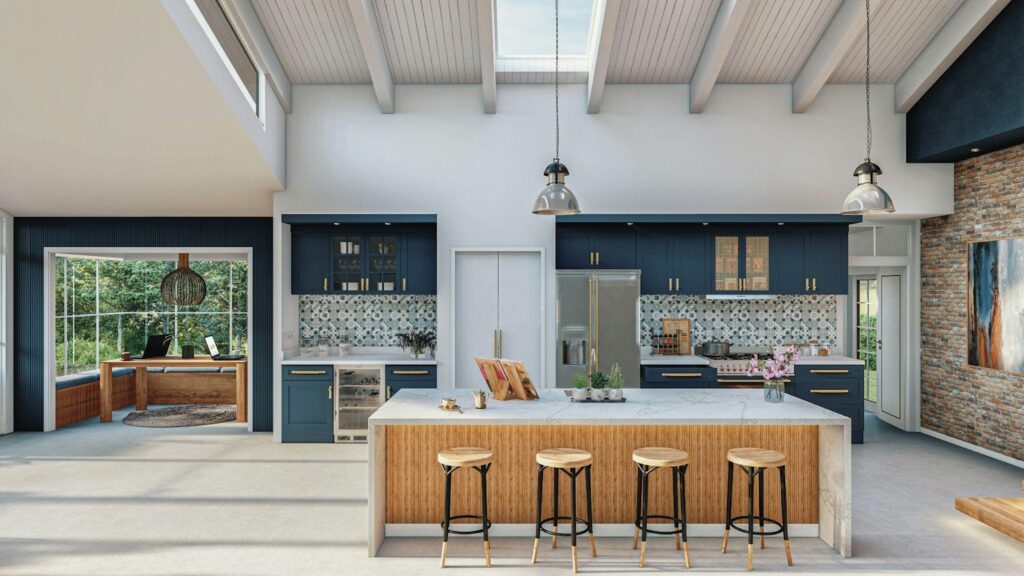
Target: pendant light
868	197
556	199
183	286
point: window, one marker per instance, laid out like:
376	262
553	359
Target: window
527	27
231	49
867	335
104	307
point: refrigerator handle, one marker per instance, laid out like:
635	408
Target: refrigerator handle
638	312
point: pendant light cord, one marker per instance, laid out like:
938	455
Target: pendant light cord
867	74
557	126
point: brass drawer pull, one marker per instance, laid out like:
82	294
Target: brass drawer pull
681	374
308	372
830	371
410	372
843	391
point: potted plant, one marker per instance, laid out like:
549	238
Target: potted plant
775	369
598	382
417	342
579	385
615	382
188	334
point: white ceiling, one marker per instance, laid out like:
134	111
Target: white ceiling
105	110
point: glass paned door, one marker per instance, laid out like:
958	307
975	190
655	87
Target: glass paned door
867	334
348	264
383	263
756	277
727	263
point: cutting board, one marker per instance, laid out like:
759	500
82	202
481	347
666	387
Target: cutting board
680	327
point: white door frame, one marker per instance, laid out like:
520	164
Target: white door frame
869	405
50	329
543	377
6	324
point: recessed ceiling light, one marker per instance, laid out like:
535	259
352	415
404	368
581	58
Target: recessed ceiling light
629	223
337	223
387	223
705	223
975	150
782	223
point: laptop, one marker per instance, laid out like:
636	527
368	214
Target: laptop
211	345
156	347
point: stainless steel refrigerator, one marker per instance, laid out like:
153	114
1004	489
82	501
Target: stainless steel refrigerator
598	324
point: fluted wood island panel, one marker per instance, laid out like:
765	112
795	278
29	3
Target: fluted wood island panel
406	483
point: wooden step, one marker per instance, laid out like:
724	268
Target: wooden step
1003	514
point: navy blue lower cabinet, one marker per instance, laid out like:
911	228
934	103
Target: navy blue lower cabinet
676	376
398	376
307	406
837	387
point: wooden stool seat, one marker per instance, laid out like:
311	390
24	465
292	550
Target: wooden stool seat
661	457
459	457
756	457
563	458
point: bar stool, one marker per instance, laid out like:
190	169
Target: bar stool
755	461
570	462
451	460
648	460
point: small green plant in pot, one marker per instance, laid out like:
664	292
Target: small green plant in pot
598	385
615	382
580	385
417	342
189	333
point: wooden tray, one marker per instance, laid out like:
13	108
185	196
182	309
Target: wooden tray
681	328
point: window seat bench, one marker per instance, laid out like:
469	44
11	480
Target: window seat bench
78	395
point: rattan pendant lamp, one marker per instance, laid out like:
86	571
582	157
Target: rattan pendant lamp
184	286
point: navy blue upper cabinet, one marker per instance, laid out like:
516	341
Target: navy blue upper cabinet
789	253
606	247
672	262
364	259
310	262
827	260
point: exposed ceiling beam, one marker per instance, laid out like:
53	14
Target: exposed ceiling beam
488	79
245	21
845	29
606	16
958	33
728	22
365	20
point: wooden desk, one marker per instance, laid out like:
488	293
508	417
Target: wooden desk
141	402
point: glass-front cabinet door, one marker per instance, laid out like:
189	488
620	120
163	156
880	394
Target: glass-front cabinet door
727	263
383	274
347	265
757	264
742	263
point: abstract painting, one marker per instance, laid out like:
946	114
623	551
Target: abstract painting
995	304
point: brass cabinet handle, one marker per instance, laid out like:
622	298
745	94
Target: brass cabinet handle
308	372
405	285
669	284
410	372
823	371
680	374
330	393
597	259
843	391
387	392
807	284
677	284
814	284
591	258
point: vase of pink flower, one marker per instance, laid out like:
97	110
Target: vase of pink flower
775	369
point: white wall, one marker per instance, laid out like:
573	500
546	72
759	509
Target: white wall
643	153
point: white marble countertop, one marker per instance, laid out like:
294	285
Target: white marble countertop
644	407
835	359
360	358
666	360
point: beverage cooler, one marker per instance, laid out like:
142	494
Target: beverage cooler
358	392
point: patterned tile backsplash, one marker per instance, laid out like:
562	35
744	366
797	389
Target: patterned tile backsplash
783	320
369	320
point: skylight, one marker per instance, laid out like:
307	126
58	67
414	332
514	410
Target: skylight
527	27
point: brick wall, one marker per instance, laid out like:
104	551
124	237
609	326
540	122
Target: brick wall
977	405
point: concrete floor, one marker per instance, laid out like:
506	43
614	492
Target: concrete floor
113	499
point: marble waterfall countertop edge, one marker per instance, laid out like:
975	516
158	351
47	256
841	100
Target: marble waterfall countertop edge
666	360
360	358
642	407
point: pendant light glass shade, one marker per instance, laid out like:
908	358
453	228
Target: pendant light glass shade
868	197
556	199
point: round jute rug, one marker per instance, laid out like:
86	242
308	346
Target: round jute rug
177	416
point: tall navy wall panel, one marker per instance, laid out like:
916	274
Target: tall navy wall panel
979	101
32	235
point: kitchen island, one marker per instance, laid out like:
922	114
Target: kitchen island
406	483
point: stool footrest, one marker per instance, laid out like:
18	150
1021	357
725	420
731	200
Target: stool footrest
486	526
733	523
639	526
586	527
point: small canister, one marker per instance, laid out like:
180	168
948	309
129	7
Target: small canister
480	399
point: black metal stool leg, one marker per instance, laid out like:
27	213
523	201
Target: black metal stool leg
760	503
590	514
554	526
728	510
639	503
675	506
483	503
447	510
785	515
540	511
750	518
643	527
572	516
682	517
